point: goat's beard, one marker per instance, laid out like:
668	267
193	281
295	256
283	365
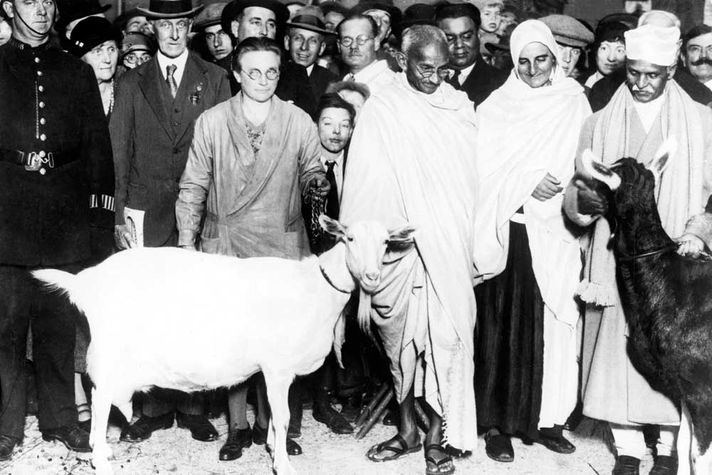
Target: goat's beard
364	312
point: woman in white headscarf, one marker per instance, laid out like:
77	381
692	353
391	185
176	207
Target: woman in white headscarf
526	375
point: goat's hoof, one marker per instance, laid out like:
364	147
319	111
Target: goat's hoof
102	467
284	469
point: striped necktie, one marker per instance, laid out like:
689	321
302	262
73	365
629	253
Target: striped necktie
171	80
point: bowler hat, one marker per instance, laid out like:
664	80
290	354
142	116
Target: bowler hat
210	16
170	9
310	18
70	10
568	31
90	33
233	9
416	14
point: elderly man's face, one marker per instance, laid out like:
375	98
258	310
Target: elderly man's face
357	56
304	46
462	40
218	42
698	57
569	58
255	22
426	67
172	35
646	81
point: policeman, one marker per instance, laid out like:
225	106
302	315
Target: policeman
56	185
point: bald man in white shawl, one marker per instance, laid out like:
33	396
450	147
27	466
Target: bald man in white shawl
412	161
527	373
648	109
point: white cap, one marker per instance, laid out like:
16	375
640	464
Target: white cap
654	44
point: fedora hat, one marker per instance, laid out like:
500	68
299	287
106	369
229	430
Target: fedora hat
70	10
233	9
310	18
210	15
170	9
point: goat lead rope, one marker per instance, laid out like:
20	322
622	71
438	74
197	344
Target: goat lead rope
318	207
654	252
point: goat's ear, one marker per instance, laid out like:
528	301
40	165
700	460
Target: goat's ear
662	157
401	235
598	171
331	226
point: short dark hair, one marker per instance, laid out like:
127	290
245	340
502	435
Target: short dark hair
694	32
255	43
359	16
335	101
458	10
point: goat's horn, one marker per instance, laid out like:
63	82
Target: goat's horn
599	171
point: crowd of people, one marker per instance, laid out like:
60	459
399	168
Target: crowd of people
228	128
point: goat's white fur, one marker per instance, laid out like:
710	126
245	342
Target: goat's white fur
209	321
593	166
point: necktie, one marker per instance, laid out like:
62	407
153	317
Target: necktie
332	199
455	79
170	70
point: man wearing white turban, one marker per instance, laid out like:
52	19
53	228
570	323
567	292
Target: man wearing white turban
649	108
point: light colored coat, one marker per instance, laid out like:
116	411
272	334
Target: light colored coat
252	205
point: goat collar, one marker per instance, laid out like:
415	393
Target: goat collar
654	252
331	282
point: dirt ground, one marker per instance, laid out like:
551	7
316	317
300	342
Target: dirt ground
173	451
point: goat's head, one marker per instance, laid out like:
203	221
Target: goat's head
628	184
366	245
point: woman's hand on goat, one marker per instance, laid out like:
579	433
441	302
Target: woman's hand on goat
588	200
690	245
122	237
320	186
547	188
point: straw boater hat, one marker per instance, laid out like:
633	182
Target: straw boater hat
170	9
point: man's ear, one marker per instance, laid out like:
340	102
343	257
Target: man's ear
190	25
671	71
322	48
9	9
286	42
237	77
234	26
402	60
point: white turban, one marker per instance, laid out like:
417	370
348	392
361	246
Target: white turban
654	44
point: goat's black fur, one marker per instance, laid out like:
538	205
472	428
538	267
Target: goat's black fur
666	299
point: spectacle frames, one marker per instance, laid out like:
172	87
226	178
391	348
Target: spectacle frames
347	41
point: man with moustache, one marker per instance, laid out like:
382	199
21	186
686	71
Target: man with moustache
697	53
648	108
155	110
359	46
410	160
472	74
56	189
305	41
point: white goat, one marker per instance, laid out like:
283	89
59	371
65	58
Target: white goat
272	315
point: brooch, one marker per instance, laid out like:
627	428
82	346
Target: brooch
195	95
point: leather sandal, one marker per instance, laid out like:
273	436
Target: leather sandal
396	451
444	466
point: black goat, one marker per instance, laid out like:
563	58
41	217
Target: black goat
666	299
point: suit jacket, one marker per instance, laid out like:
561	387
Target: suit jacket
151	133
319	79
482	81
50	103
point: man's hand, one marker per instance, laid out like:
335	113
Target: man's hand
690	245
122	236
319	186
547	188
589	201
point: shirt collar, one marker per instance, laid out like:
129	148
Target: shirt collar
25	47
709	84
465	72
179	61
371	71
327	157
310	69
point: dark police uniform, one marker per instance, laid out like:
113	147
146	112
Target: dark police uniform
56	185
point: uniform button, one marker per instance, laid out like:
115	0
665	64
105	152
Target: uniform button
39	73
40	88
37	60
176	123
41	104
42	171
43	137
42	154
43	121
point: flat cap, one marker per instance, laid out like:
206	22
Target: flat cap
209	16
568	30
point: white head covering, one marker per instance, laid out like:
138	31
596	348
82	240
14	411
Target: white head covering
654	44
535	31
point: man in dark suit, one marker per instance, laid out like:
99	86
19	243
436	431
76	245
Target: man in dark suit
305	41
156	107
56	187
248	18
478	79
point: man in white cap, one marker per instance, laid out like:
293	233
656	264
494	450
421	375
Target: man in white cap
649	107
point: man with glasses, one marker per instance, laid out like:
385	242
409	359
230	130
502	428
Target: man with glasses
136	49
252	161
151	130
358	47
411	160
